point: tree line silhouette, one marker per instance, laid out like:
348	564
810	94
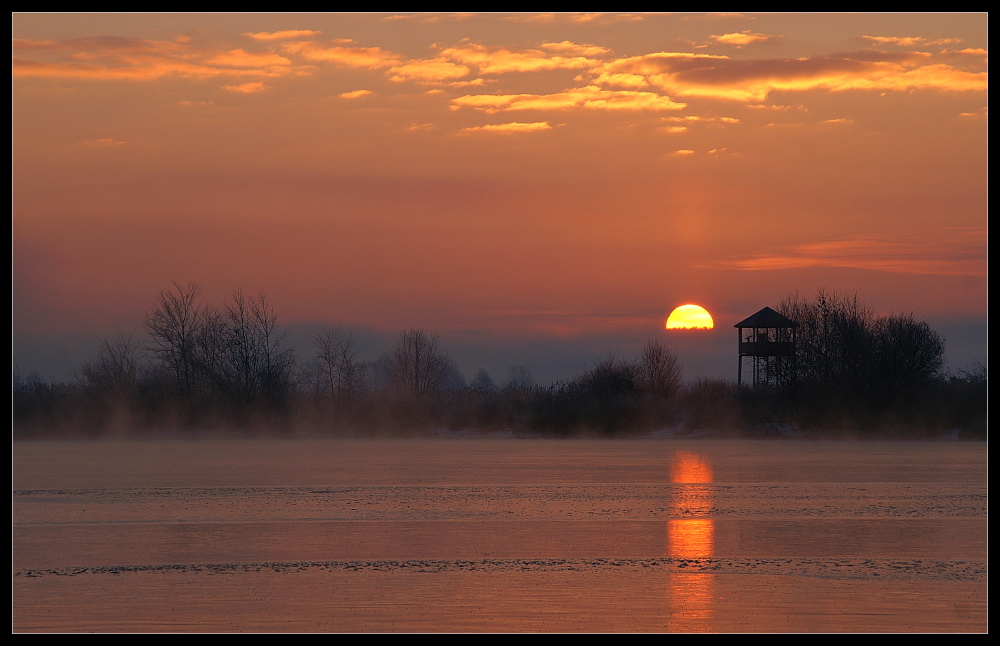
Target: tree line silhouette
201	367
850	359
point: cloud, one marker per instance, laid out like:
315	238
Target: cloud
777	108
104	142
568	47
742	38
694	118
27	43
247	88
499	60
656	63
590	97
953	251
342	54
654	81
433	70
981	112
431	18
721	15
356	94
575	18
720	77
510	128
241	58
621	80
911	41
683	123
135	59
287	34
684	152
417	127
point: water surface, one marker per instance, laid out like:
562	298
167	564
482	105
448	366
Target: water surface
499	535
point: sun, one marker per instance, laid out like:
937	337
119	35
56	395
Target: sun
690	317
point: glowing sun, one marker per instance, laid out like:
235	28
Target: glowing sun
690	317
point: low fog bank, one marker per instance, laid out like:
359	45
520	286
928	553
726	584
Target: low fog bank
609	400
233	369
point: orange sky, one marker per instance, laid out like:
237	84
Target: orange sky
500	178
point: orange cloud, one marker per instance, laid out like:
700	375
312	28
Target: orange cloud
590	97
957	251
982	112
356	94
431	19
719	15
510	128
104	142
911	41
247	88
622	80
357	57
656	63
427	71
241	58
673	75
284	35
498	60
118	58
568	47
777	108
694	118
721	77
577	18
742	38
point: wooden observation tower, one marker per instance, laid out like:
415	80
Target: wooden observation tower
767	340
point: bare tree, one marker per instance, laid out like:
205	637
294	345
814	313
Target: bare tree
116	369
338	367
908	354
417	365
259	360
173	326
211	352
845	352
376	375
658	370
834	345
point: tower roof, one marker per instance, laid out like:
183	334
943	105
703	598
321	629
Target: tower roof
766	318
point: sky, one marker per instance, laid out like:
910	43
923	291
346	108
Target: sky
538	189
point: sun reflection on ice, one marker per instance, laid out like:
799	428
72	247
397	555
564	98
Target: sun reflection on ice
690	536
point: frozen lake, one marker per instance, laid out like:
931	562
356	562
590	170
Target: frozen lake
499	535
